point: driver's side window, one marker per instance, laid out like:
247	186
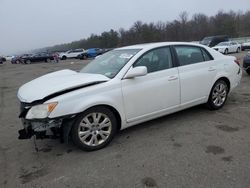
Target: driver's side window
156	60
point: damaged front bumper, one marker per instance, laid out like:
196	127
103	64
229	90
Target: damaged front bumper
45	128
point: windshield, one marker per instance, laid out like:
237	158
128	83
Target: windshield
110	63
223	44
206	41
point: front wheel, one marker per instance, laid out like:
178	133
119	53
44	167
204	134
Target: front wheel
238	50
226	51
94	129
218	95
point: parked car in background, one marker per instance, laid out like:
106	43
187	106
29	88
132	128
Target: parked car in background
90	53
18	58
214	40
2	59
245	45
246	63
9	57
228	47
70	54
41	57
125	87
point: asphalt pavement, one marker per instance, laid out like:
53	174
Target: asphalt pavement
194	148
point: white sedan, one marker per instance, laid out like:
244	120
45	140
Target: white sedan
125	87
228	47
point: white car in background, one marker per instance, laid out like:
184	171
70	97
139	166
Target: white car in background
70	54
125	87
245	45
9	58
228	47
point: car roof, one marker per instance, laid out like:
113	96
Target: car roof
157	44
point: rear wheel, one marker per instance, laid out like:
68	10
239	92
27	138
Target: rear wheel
218	95
94	128
226	51
248	71
28	62
48	60
238	50
64	57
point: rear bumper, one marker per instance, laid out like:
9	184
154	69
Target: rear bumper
245	47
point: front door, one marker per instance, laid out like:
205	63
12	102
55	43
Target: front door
155	92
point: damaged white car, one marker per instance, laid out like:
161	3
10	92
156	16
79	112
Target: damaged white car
124	87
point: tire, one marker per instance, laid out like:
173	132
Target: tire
64	57
218	95
93	136
238	50
85	57
48	60
27	62
226	51
248	71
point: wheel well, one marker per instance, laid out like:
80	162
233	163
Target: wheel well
116	113
227	82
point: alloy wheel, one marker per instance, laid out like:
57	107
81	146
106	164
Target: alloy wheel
219	94
94	129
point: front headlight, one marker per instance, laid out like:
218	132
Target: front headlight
41	111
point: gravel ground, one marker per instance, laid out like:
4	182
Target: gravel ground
192	148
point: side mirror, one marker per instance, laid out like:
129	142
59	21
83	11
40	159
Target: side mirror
136	72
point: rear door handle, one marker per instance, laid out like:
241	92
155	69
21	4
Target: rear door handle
170	78
211	69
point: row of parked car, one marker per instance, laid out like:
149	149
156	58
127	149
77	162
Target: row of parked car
223	44
82	54
49	57
30	58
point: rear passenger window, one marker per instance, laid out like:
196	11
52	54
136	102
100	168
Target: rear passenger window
189	55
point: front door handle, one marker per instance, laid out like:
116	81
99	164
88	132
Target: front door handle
170	78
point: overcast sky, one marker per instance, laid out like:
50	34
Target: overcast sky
29	24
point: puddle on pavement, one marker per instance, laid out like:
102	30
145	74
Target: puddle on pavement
149	182
227	159
227	128
215	150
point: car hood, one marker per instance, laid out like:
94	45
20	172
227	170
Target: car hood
56	83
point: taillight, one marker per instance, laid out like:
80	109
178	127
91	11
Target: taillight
237	62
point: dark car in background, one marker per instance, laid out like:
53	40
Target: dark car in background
214	40
41	57
246	63
2	59
90	53
19	58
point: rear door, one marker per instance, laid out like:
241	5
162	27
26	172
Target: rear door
197	70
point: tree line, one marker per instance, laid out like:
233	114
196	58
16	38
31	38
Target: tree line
184	28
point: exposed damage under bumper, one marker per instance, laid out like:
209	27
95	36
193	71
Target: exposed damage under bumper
49	128
45	128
